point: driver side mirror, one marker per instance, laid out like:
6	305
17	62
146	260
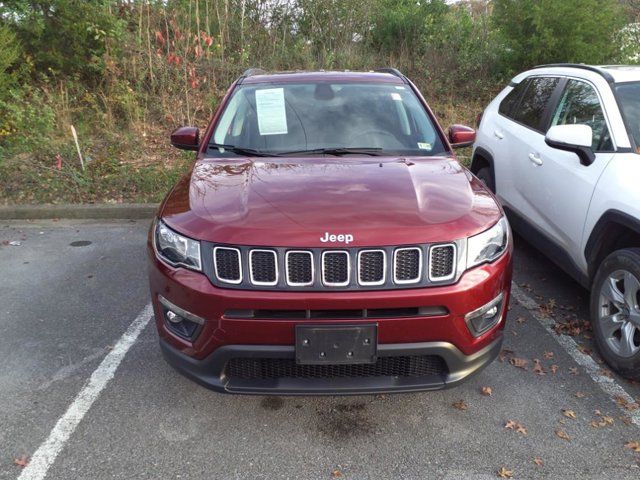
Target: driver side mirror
186	138
461	136
573	138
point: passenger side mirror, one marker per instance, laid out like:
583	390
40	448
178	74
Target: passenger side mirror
186	138
461	136
573	138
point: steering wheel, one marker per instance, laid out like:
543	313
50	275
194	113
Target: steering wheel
375	133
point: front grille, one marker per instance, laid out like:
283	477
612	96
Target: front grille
408	265
399	312
441	262
335	268
274	368
326	269
371	267
299	268
227	264
264	267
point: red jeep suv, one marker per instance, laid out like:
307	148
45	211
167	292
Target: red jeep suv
327	241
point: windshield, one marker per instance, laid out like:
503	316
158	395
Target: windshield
313	117
629	100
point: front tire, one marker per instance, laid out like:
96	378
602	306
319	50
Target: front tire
615	311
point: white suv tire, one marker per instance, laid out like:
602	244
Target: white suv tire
615	311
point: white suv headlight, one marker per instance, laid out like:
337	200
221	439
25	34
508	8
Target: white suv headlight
488	245
176	249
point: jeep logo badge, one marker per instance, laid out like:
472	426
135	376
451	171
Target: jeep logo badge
342	237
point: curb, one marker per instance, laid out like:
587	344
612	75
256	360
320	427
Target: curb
121	211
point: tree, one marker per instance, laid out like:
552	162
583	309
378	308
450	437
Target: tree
549	31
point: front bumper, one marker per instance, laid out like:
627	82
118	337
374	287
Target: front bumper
210	372
222	337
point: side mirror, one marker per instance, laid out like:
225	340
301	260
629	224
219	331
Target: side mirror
573	138
186	138
461	136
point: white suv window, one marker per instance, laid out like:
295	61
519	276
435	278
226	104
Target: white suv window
533	105
580	105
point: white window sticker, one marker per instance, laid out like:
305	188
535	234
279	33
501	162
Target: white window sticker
424	146
400	88
396	96
272	116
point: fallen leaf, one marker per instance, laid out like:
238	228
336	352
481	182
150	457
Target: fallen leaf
554	369
504	353
460	405
548	355
606	372
335	473
633	445
22	461
517	426
573	370
563	435
623	402
580	394
504	473
537	461
486	391
520	319
626	420
538	369
569	414
519	362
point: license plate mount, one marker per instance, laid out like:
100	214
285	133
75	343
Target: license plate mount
336	344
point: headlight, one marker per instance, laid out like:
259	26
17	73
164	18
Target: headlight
488	245
176	249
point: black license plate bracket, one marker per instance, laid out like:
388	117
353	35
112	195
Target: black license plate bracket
336	344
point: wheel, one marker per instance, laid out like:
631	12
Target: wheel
615	311
484	174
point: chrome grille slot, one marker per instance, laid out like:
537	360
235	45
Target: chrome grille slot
442	259
227	265
372	265
335	268
300	270
263	267
407	265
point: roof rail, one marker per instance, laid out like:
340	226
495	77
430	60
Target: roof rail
606	75
392	71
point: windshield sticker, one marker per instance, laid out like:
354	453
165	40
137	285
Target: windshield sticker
272	116
396	96
400	88
424	146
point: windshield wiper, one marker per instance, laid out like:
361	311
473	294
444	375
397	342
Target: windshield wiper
244	151
373	151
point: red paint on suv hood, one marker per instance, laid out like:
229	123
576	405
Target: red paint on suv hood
294	201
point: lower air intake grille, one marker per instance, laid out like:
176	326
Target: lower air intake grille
274	368
441	262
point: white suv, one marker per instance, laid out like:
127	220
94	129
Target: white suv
560	148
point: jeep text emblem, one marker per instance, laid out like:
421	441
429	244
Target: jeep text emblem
342	237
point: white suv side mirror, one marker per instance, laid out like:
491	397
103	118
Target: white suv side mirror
572	138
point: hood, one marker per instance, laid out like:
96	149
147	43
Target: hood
299	201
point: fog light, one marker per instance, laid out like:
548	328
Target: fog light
485	317
179	321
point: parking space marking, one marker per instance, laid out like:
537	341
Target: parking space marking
607	384
46	454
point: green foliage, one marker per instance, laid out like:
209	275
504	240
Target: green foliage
64	37
553	31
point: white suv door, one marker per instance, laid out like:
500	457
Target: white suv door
556	185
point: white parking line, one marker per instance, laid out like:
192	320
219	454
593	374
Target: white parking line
48	451
607	384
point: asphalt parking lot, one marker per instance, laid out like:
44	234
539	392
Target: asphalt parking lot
64	307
